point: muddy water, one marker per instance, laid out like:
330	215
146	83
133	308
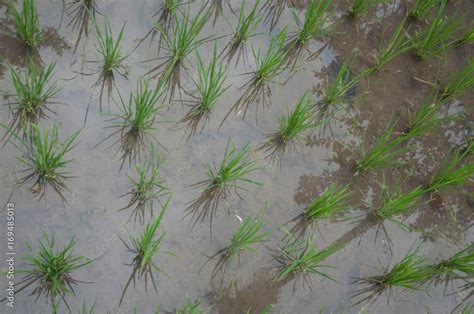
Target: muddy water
91	214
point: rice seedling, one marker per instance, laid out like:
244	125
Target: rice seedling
438	37
224	179
85	309
384	151
269	66
185	40
427	118
33	92
409	274
190	307
467	309
291	127
234	168
467	37
460	266
147	188
452	172
458	82
331	204
167	15
336	93
245	29
136	120
50	271
112	59
302	259
316	24
467	149
26	23
144	247
398	44
360	7
395	204
300	119
421	8
44	160
249	234
210	85
82	12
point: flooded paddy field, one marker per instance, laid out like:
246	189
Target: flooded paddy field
94	207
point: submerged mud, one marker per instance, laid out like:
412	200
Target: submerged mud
328	155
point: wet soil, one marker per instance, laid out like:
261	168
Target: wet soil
94	197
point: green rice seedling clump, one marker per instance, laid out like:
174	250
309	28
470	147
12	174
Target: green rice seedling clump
438	37
50	270
139	112
33	91
316	24
136	120
398	203
146	188
410	274
249	233
171	8
335	94
459	266
112	58
224	179
44	158
316	21
171	5
146	246
331	204
271	64
300	119
360	7
302	258
467	309
234	168
467	149
268	67
184	41
110	48
398	44
247	24
467	37
245	29
26	23
191	307
458	82
384	151
452	172
210	85
167	15
427	118
421	8
85	309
